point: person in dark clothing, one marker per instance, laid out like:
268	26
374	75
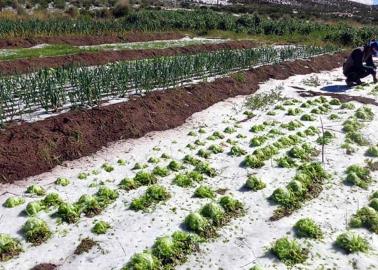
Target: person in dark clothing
354	68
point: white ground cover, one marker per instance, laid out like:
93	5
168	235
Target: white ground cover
244	242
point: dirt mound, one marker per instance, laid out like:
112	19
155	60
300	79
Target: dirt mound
33	148
45	266
79	40
101	58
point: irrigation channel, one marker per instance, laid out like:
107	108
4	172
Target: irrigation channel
51	90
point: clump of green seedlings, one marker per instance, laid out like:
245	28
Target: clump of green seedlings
258	141
9	247
307	228
352	243
372	151
12	202
237	151
267	152
160	171
153	196
82	176
191	146
326	138
33	208
69	213
306	185
232	207
279	107
257	128
128	184
36	190
51	200
333	117
217	135
121	162
144	260
143	178
262	100
294	111
106	195
153	160
175	166
204	192
290	102
215	149
107	167
188	159
204	153
323	109
364	113
165	156
359	176
254	183
289	251
241	136
199	143
366	217
204	168
348	106
36	231
89	205
286	162
188	179
308	117
335	102
61	181
311	131
198	224
252	161
357	138
192	133
249	114
139	166
229	130
303	152
201	130
101	227
292	125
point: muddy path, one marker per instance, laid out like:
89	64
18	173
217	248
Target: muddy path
100	58
30	149
81	40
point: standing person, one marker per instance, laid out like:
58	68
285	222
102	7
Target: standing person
354	68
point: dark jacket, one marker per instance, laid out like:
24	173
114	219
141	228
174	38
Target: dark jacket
355	61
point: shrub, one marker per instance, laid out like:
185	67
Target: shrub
107	167
351	242
61	181
308	117
36	190
306	227
160	171
175	166
255	183
12	202
286	162
36	231
9	247
100	227
145	178
365	113
142	261
68	213
204	192
51	200
372	151
253	161
359	176
289	251
214	212
128	184
237	151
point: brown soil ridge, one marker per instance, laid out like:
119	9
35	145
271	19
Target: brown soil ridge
100	58
342	97
30	149
81	40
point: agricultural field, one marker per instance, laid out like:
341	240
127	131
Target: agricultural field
274	180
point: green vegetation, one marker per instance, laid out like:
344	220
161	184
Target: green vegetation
237	151
175	166
153	160
61	181
348	106
294	111
214	213
292	125
215	149
82	176
204	192
51	200
160	171
308	117
101	227
107	167
326	138
257	128
188	179
258	141
262	100
359	176
365	113
366	217
203	168
143	261
204	153
352	243
36	231
197	223
254	183
372	151
12	202
253	161
286	162
139	166
68	212
306	227
36	190
143	178
153	196
9	247
289	251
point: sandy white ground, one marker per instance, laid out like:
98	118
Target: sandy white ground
243	243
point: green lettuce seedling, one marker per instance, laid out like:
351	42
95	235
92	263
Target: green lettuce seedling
101	227
204	192
36	231
9	247
306	227
237	151
61	181
107	167
352	243
33	208
254	183
36	190
214	212
12	202
143	261
289	251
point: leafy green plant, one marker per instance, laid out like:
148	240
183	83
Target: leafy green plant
121	162
352	243
365	217
286	162
139	166
89	205
175	166
204	192
365	113
237	151
82	176
326	138
372	151
308	117
214	212
107	167
143	261
196	223
199	142
188	159
101	227
335	102
51	200
215	149
128	184
374	204
289	251
192	133
292	125
294	111
348	106
254	183
356	137
12	202
36	190
106	195
36	231
279	107
33	208
204	153
154	194
68	213
311	131
253	161
204	168
258	141
153	160
160	171
306	227
229	130
144	178
9	247
333	117
61	181
359	176
257	128
202	131
165	156
232	206
218	135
